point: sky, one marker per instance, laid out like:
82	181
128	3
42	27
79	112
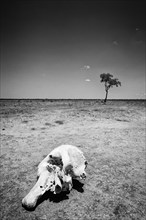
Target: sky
58	49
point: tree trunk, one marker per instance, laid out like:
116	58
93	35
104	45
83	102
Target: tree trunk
106	96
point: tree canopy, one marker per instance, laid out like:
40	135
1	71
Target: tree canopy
108	79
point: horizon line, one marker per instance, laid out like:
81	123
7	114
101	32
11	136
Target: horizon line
128	99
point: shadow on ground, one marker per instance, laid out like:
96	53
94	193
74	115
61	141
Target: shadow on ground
56	198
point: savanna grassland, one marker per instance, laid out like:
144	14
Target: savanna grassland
112	137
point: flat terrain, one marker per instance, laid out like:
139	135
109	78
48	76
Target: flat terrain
112	138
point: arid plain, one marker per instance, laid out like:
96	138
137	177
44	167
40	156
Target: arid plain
112	137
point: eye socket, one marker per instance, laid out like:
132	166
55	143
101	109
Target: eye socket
41	186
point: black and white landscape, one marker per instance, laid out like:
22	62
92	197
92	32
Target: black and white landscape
73	72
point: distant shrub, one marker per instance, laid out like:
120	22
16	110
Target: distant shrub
96	110
33	129
43	128
47	123
119	119
59	122
25	121
120	209
84	110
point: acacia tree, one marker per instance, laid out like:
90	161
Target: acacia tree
109	82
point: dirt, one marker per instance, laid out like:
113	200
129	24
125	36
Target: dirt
112	137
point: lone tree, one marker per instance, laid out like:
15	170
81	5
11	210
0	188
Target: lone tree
109	82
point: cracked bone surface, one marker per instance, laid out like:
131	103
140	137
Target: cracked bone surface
49	179
44	183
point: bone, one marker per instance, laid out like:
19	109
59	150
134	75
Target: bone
55	173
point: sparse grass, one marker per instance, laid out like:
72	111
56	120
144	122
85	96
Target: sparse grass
112	137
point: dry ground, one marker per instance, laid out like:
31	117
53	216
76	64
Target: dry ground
112	138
